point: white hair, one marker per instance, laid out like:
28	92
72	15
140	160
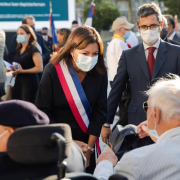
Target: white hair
165	95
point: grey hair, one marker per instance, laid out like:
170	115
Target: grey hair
149	9
165	95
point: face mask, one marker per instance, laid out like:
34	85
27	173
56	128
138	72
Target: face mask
164	33
44	34
127	35
21	39
153	132
150	36
85	63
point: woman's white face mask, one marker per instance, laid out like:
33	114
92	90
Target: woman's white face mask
85	63
150	36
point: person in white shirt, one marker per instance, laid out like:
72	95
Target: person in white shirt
130	37
159	160
117	45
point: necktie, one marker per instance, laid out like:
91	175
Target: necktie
151	60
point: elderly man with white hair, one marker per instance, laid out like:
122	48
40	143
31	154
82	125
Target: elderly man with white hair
160	160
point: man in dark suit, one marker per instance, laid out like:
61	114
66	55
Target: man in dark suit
164	33
48	40
172	35
142	65
40	42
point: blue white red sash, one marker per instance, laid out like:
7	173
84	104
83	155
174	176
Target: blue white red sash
75	96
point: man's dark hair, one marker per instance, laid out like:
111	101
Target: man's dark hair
45	28
171	21
149	9
74	22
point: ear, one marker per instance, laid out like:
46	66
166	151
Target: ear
29	35
72	52
161	25
137	27
157	115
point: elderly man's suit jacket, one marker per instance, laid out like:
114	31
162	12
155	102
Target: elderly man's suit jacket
133	66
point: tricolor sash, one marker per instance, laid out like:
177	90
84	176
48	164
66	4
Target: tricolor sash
75	96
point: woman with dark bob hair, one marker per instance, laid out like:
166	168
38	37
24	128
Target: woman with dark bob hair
62	36
30	64
73	89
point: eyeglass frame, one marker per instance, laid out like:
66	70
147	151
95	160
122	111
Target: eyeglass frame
145	106
148	27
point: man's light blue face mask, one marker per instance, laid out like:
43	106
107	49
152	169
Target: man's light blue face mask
153	132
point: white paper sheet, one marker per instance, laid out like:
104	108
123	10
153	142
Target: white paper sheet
8	65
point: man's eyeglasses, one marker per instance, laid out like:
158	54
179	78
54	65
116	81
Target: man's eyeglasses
145	106
152	26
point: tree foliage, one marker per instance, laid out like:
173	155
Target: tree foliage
173	7
105	14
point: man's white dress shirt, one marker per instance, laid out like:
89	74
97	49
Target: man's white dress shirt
113	55
159	161
172	35
156	45
132	40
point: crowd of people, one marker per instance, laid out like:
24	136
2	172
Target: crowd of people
70	87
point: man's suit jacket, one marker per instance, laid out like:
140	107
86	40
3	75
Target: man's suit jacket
40	40
176	38
171	41
159	161
133	66
49	44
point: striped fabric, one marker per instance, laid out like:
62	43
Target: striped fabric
160	161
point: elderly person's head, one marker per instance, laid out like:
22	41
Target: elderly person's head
163	105
15	114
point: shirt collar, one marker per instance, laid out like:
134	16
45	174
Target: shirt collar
169	134
118	37
156	45
172	35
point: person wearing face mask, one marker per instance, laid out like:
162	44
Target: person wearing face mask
142	65
30	64
47	39
117	45
130	37
164	33
159	160
76	89
172	35
30	20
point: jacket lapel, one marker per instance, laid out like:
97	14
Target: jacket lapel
141	59
160	58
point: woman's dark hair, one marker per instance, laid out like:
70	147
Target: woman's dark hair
32	39
65	32
80	38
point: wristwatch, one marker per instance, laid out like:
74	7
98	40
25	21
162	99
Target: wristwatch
91	149
106	125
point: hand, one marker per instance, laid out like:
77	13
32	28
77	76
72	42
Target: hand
147	132
141	132
6	70
105	134
17	71
87	155
83	146
108	155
